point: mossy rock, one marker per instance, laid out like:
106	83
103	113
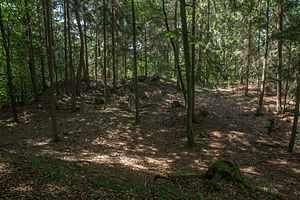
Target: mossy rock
99	101
228	170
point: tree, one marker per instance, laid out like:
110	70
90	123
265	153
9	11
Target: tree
105	52
48	29
264	71
279	46
31	53
81	59
66	48
135	64
8	68
189	127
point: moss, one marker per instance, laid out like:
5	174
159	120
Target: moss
228	170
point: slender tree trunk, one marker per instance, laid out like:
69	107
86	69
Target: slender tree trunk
279	48
248	58
66	49
41	48
113	44
287	80
50	66
176	53
193	59
81	59
125	63
87	71
31	54
146	63
258	57
72	81
176	45
8	68
135	64
189	127
105	53
96	59
264	71
54	57
296	115
208	66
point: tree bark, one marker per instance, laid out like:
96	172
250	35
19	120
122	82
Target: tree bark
189	127
105	53
31	53
264	71
296	115
66	49
135	64
81	59
50	66
96	58
113	44
146	63
279	49
176	53
248	58
208	66
87	71
193	58
8	68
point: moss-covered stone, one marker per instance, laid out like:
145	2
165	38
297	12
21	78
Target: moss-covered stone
228	170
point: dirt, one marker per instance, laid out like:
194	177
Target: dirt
106	137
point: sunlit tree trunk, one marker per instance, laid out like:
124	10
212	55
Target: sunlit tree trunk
50	66
146	63
135	64
208	65
189	127
8	68
264	71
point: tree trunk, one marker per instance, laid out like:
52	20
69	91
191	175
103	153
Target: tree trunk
146	64
296	115
31	53
8	68
248	58
189	127
208	65
193	58
53	54
66	48
279	48
113	44
87	74
73	83
96	58
105	53
264	71
81	59
50	66
135	64
176	53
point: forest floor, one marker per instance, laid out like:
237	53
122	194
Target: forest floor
102	151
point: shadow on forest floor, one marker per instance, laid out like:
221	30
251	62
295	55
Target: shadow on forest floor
107	139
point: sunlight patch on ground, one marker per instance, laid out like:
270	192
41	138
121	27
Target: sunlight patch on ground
23	188
38	143
217	134
250	170
131	162
296	170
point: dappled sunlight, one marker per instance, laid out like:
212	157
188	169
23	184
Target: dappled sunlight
250	170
